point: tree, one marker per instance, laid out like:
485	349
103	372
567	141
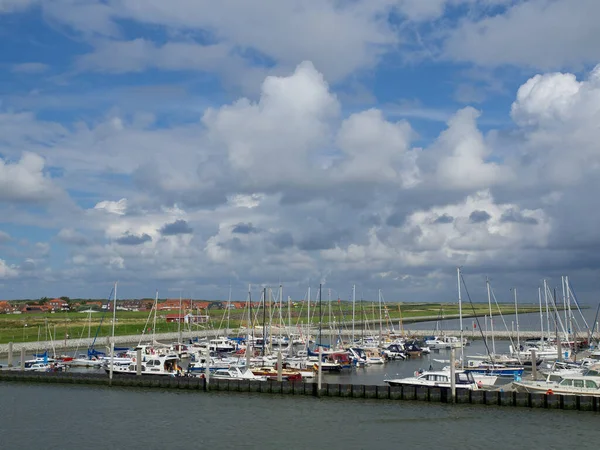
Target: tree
43	300
66	299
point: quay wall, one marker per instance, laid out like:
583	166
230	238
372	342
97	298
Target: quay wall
393	393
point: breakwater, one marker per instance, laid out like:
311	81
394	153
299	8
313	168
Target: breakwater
398	393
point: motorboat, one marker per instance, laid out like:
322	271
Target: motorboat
568	385
437	378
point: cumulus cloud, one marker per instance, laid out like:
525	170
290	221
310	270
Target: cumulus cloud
463	155
7	271
25	180
4	237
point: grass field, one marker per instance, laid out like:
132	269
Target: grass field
59	325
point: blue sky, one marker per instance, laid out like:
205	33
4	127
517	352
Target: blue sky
334	133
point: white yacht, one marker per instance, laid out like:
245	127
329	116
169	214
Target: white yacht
151	365
437	378
568	385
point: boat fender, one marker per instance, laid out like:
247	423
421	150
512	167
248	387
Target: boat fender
549	392
479	384
133	359
416	373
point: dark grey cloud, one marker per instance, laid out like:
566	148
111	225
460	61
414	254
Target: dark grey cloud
283	239
244	228
395	219
322	240
132	239
444	218
517	217
180	226
479	216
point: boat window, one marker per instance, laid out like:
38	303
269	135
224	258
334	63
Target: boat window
578	383
590	384
566	382
462	377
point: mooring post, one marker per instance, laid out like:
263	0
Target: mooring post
138	368
533	365
10	354
112	361
22	359
279	367
452	376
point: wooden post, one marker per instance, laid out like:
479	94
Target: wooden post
22	359
112	361
533	365
279	367
320	370
138	368
10	354
452	376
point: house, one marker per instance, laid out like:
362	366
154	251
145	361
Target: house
35	308
173	304
5	307
58	304
187	318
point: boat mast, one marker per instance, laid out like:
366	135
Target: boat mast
517	319
462	342
179	319
320	316
308	319
487	282
114	312
154	321
547	312
541	313
353	310
380	320
228	310
264	320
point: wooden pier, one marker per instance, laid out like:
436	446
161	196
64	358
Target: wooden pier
349	391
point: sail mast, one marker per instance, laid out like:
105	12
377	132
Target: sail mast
462	345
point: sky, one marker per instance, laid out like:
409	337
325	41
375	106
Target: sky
191	146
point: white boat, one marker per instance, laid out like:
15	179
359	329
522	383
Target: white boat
443	342
234	373
568	385
151	365
437	378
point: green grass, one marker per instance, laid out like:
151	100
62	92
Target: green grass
13	326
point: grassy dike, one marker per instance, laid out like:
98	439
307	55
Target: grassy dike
70	325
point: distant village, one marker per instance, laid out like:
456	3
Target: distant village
52	305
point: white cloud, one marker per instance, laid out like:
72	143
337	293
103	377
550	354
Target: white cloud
375	149
4	237
535	33
118	207
463	155
25	181
272	140
7	271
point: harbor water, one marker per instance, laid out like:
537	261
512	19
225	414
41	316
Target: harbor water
91	417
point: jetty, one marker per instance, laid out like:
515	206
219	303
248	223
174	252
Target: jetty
497	398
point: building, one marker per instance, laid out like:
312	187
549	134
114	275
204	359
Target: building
187	318
58	304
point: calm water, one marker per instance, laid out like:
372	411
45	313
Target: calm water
76	417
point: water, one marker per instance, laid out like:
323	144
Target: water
74	417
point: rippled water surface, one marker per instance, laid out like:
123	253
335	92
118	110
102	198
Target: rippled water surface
80	417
